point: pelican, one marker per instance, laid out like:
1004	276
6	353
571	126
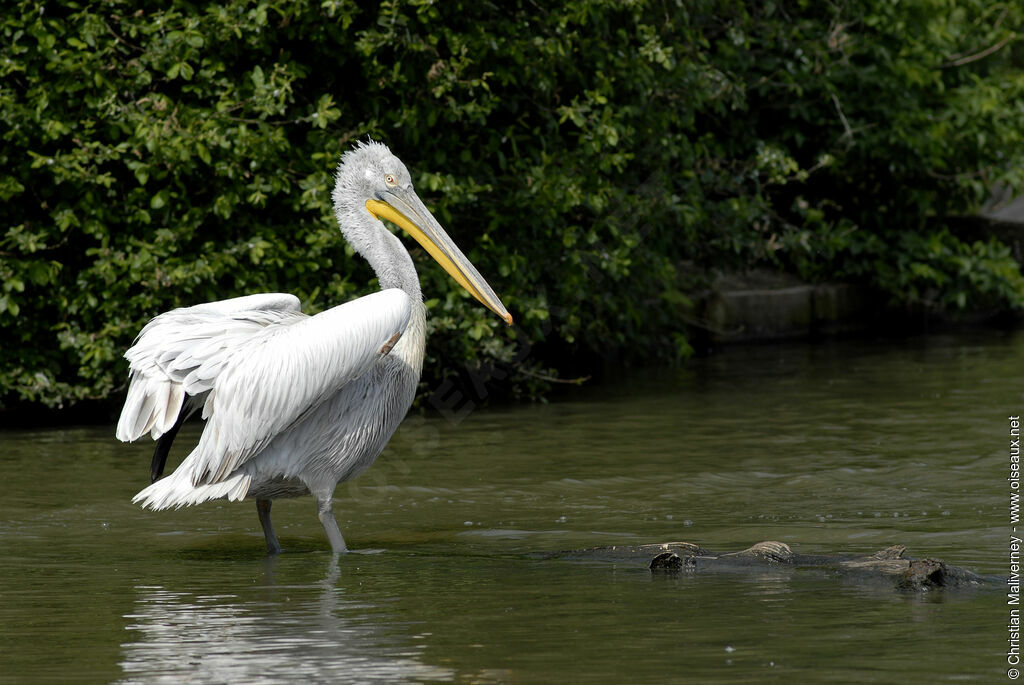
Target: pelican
296	404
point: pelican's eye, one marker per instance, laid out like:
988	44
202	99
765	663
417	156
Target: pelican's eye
390	180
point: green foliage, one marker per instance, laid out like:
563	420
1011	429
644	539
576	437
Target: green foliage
598	159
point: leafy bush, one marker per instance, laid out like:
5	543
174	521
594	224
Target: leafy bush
600	160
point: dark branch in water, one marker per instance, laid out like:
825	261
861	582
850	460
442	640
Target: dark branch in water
552	379
891	567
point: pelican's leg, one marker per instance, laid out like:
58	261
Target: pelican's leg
263	509
326	513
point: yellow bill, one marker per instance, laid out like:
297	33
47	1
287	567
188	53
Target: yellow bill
404	209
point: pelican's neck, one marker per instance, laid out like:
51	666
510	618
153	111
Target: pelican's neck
382	249
393	265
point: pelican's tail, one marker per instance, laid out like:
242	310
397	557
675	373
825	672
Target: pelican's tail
176	490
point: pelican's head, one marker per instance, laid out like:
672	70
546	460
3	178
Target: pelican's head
371	179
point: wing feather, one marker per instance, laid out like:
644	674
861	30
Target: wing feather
288	371
176	343
260	364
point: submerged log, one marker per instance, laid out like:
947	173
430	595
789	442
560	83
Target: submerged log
891	566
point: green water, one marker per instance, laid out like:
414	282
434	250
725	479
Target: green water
835	448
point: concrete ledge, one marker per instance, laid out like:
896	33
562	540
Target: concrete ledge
790	311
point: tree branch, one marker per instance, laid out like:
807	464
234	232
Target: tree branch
842	117
979	55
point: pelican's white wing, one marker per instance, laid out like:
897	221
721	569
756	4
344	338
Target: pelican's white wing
263	368
180	352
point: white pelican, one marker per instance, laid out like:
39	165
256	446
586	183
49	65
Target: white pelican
296	404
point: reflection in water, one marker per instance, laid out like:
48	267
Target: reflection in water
295	633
